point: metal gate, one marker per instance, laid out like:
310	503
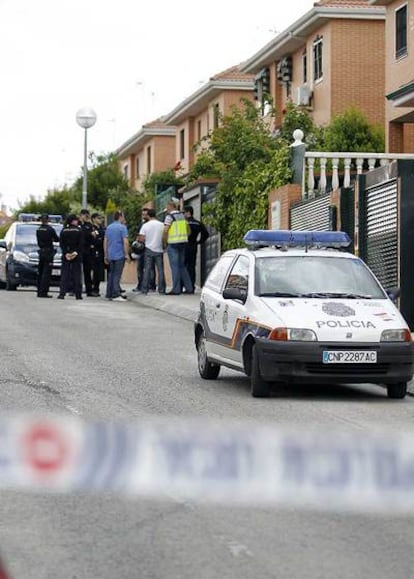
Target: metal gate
311	214
379	231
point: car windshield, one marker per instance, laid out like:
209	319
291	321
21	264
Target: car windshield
315	276
26	233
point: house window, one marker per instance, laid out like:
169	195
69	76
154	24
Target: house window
182	144
137	167
126	172
401	32
317	58
304	66
149	169
198	130
216	116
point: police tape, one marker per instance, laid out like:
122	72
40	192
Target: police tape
370	470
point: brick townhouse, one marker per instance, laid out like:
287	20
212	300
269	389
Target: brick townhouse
399	74
150	150
332	58
161	144
196	116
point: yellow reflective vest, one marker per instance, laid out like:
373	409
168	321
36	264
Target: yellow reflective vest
178	231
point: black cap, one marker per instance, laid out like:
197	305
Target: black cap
44	217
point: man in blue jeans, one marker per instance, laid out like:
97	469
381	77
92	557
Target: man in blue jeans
175	239
151	233
116	251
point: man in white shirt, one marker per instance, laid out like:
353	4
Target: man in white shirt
151	233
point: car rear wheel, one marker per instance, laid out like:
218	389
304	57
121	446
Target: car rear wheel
10	286
207	369
398	390
259	387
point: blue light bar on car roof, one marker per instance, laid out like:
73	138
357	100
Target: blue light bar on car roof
55	219
29	217
289	238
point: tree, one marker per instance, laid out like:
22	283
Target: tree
105	181
56	202
352	132
296	117
249	162
168	177
3	229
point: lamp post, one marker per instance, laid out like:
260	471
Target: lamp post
85	118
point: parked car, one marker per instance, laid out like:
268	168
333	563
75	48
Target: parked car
295	307
19	256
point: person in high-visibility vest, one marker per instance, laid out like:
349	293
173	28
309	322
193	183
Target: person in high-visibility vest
175	240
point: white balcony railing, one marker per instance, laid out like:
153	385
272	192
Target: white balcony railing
340	165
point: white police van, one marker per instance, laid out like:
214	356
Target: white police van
295	307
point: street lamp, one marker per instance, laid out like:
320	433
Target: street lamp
85	118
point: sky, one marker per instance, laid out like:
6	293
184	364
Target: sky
128	60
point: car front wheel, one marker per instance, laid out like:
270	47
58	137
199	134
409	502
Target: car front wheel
398	390
207	369
10	286
259	387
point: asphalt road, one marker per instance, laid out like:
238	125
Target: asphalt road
99	359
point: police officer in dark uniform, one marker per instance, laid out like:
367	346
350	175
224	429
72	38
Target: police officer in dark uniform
46	235
197	237
98	262
71	244
87	250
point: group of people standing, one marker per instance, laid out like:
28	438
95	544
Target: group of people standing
88	249
81	241
179	235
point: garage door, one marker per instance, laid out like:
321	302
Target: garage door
378	231
312	214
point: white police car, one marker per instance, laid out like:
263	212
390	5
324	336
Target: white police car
294	307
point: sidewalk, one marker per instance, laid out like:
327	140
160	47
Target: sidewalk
183	306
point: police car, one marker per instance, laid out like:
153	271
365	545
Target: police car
295	306
19	257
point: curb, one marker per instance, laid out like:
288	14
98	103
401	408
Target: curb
170	305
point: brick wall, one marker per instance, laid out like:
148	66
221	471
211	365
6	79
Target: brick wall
408	138
395	138
286	195
358	67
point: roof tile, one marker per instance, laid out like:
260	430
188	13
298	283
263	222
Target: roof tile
344	3
233	73
156	124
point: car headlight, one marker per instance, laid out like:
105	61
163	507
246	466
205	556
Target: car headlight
20	256
401	335
293	334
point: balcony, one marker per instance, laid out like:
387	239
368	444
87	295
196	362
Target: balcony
324	172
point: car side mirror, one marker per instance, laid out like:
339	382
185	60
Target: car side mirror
393	293
3	244
235	293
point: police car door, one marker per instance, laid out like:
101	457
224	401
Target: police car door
233	311
211	305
